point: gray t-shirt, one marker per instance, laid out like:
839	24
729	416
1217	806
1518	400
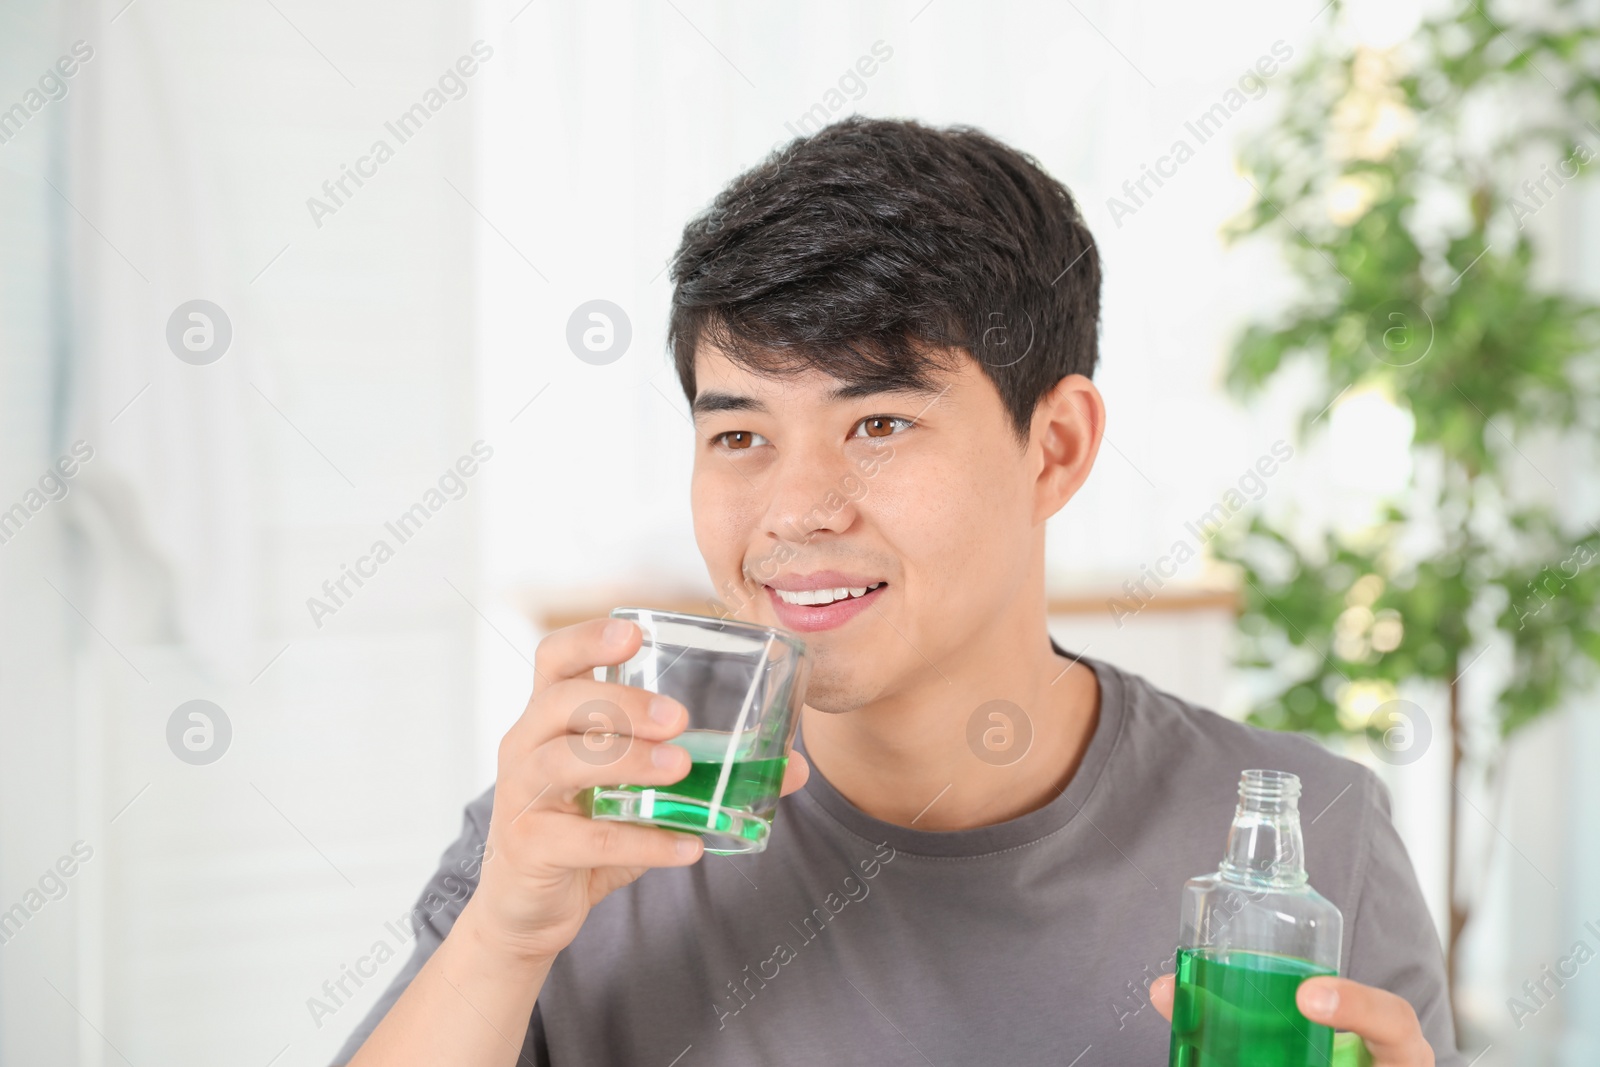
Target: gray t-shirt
852	940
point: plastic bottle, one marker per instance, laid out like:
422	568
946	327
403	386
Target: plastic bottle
1249	933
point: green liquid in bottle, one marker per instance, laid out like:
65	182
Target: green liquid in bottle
1238	1010
744	812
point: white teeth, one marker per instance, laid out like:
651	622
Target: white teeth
822	596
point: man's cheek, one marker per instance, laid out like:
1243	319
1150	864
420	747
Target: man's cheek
724	524
944	532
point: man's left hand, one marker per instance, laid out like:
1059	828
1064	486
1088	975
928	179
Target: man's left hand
1385	1023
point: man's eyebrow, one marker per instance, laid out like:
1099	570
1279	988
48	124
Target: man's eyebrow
708	402
857	390
711	401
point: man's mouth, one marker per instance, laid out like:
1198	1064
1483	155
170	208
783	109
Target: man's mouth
823	596
823	600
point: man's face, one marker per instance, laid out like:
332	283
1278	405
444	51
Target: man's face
925	500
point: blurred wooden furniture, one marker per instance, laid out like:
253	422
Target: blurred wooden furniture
565	610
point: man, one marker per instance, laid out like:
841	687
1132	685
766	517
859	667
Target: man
886	334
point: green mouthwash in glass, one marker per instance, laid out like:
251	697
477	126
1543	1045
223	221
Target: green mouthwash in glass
723	795
744	686
1249	934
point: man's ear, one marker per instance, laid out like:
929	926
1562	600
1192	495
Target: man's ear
1067	427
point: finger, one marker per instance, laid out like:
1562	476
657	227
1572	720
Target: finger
593	710
1386	1022
1161	995
578	843
585	706
573	762
795	775
575	651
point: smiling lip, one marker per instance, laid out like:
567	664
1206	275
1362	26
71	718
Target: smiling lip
791	583
809	618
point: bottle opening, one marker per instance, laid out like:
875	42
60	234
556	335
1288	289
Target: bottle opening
1264	842
1264	785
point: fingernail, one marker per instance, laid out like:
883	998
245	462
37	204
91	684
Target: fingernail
663	709
665	756
1319	1000
688	846
616	632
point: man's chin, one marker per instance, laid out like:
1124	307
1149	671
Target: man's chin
834	691
832	707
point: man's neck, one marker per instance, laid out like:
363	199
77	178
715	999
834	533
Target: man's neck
957	754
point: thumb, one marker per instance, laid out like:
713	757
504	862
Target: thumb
795	775
1161	995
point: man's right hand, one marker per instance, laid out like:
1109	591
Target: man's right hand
547	863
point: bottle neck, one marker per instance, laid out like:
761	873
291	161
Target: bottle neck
1264	843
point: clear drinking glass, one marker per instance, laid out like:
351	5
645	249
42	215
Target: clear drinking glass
743	685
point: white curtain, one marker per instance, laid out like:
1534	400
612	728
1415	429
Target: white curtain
216	898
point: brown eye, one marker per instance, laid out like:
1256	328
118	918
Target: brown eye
880	426
738	439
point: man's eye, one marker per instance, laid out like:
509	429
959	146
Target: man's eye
881	426
738	439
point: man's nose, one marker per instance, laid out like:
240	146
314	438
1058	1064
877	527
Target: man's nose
811	493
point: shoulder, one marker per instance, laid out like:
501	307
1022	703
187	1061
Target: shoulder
1177	734
1187	760
475	817
460	865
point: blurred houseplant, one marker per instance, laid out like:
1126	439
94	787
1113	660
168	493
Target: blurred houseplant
1399	184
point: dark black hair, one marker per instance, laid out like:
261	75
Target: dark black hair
863	248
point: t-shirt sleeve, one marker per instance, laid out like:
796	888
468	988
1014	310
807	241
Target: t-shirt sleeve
432	917
1393	944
